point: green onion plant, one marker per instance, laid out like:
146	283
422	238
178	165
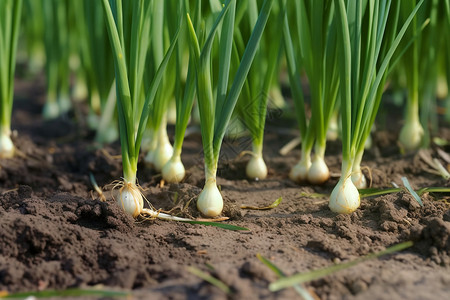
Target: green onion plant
253	101
216	108
367	39
128	25
174	171
160	150
419	64
10	12
315	51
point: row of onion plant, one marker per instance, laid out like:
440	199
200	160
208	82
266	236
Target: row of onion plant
10	12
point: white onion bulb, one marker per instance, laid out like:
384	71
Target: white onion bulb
411	135
7	148
162	154
50	110
173	171
256	168
130	199
210	201
299	172
359	180
318	173
333	129
344	198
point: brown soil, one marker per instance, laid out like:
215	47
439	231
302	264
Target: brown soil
56	234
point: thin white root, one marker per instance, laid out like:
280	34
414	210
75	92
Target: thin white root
163	216
290	145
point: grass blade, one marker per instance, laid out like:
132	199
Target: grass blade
369	192
273	205
298	288
66	293
219	225
316	274
411	191
212	280
424	190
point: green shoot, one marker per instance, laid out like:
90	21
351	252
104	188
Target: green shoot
411	191
212	280
271	206
218	225
298	288
75	292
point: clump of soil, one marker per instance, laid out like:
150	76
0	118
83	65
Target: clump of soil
56	234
